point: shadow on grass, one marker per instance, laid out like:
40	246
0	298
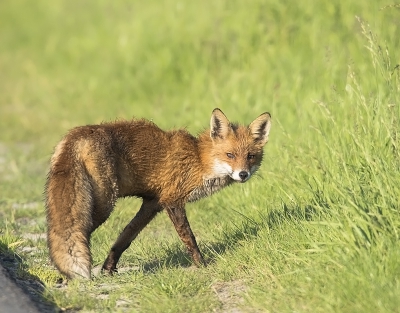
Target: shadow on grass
278	217
249	228
177	257
24	284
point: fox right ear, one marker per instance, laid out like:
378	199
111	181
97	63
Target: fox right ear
219	125
260	128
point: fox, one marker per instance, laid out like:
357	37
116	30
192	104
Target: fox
95	165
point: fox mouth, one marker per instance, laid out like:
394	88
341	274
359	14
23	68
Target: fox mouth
241	176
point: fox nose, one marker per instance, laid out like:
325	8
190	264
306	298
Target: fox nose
243	175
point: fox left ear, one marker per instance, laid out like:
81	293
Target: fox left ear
260	128
219	125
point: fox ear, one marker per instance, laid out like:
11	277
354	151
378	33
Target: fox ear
260	128
219	125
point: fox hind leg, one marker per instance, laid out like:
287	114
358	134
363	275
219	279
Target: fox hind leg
146	213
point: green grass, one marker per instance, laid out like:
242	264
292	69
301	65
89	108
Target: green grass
316	231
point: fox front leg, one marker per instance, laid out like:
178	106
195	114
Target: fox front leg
182	226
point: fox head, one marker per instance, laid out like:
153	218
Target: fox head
237	150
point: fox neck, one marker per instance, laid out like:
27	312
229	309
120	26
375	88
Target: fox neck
209	187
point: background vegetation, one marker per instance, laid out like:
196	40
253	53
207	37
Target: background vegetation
316	231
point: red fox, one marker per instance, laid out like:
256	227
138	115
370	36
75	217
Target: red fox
95	165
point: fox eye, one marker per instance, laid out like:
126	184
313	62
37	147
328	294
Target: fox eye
230	155
250	156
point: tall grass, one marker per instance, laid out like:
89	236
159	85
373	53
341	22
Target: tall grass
363	167
350	218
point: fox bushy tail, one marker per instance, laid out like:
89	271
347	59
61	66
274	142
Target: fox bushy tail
69	204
